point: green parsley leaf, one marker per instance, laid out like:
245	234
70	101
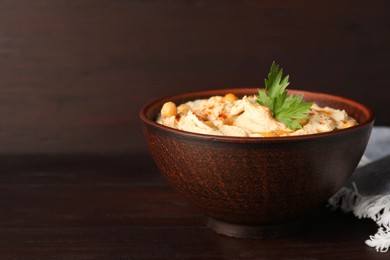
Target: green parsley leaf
284	107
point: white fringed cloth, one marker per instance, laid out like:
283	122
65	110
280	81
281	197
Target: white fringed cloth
367	193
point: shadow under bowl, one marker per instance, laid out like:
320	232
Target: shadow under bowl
253	186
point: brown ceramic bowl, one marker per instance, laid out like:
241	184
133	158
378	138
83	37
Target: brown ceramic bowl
258	186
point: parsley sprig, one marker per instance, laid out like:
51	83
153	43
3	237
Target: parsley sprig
284	107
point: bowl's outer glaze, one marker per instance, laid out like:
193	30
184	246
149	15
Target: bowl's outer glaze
257	181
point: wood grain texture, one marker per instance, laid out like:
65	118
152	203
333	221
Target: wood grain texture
74	74
119	207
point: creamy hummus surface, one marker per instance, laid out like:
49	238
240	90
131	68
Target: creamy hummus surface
229	116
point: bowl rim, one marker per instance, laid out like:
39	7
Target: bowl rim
212	92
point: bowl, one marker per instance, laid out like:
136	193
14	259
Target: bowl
257	187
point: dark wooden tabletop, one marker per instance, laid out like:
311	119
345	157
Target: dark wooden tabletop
119	207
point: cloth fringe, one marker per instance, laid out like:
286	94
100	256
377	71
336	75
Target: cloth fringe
376	208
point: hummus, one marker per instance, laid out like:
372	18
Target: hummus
229	116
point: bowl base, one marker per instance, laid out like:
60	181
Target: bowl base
253	231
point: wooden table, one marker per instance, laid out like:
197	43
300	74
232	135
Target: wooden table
120	207
76	181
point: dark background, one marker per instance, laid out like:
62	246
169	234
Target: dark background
74	74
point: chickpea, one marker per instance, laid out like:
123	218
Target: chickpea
169	109
349	124
183	108
230	97
302	121
210	124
